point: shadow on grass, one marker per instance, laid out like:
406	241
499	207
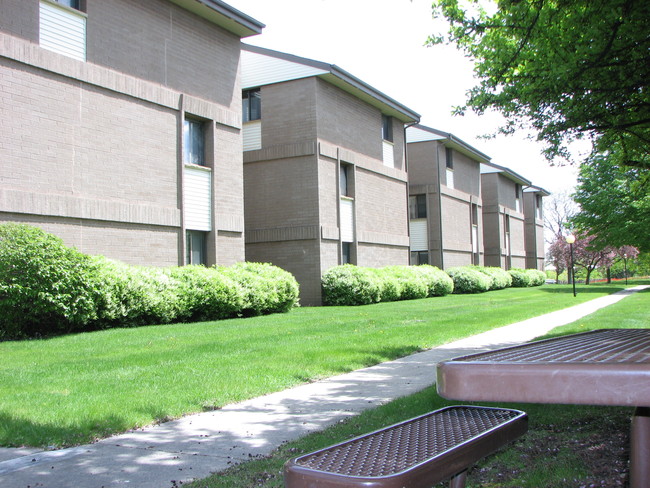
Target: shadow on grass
17	432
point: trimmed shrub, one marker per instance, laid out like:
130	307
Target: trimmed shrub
537	277
135	295
500	277
206	294
390	288
266	288
350	285
468	279
45	287
412	283
520	279
438	282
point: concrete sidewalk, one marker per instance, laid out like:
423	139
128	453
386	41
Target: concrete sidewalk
192	447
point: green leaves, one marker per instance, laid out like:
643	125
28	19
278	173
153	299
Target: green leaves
564	69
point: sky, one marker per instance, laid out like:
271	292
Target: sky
382	42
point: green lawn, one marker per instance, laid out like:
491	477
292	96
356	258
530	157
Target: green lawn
71	390
566	445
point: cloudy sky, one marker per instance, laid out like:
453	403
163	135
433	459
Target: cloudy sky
382	43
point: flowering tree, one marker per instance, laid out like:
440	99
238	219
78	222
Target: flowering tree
586	255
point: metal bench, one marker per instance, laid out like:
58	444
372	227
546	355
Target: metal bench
416	453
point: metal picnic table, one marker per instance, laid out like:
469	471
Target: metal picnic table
600	367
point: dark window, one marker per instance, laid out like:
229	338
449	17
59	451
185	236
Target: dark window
387	128
449	157
418	207
419	257
196	247
345	180
346	253
252	105
75	4
194	142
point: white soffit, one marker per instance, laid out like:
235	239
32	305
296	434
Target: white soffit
259	69
415	134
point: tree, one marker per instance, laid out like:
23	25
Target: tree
565	68
587	255
558	211
614	203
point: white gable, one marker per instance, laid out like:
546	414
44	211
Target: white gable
415	134
260	69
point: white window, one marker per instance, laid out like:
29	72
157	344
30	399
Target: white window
62	28
347	219
197	198
449	163
418	231
517	197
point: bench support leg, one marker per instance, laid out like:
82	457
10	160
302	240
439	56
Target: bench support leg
458	481
640	448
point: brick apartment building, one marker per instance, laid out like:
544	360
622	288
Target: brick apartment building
534	226
121	126
325	178
503	216
445	206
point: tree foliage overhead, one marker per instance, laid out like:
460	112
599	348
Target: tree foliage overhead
565	68
614	203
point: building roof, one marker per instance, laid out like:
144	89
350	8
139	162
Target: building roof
537	189
507	172
421	133
223	15
261	66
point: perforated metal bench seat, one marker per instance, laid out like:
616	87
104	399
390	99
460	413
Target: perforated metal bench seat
416	453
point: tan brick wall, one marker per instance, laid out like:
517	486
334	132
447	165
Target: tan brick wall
381	204
348	122
289	112
300	258
97	145
65	138
20	18
378	256
132	243
158	41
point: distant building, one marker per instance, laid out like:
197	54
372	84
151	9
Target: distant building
534	226
121	128
503	216
324	168
446	221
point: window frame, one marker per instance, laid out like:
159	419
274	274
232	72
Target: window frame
189	156
387	128
191	236
248	108
449	158
420	206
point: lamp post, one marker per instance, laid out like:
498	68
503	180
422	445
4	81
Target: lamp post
625	264
570	239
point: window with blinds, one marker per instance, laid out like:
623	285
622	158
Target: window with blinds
62	28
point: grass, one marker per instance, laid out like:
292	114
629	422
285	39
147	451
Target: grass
570	439
70	390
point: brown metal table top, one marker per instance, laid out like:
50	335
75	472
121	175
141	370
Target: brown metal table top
601	367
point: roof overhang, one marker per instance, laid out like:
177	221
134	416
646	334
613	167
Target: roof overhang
343	80
421	133
223	15
537	189
487	168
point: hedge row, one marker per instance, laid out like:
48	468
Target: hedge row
47	288
353	285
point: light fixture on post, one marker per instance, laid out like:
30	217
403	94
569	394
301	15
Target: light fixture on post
570	239
625	264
